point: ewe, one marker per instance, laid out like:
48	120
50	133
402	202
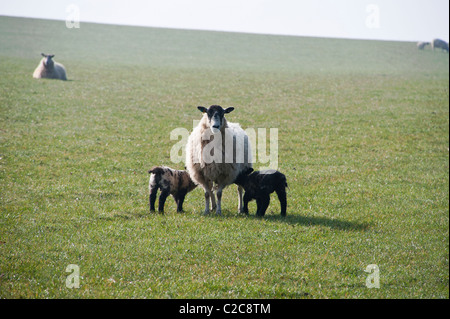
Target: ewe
48	69
217	151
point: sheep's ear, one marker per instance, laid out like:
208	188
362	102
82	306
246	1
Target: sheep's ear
249	170
51	56
229	109
43	54
202	109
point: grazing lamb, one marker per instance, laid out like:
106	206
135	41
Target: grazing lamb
259	185
49	69
441	44
217	151
169	181
422	45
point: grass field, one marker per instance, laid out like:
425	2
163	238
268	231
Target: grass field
363	131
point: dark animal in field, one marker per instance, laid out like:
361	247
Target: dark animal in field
441	44
259	185
422	45
171	182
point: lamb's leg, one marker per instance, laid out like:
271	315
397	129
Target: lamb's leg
262	204
281	193
240	206
162	199
152	198
180	200
247	198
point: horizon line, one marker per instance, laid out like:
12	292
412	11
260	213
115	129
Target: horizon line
222	31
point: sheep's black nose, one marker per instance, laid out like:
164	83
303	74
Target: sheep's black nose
216	126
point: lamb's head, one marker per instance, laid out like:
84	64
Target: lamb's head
47	60
242	178
216	116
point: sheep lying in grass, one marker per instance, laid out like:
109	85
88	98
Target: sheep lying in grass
170	182
259	185
217	151
49	69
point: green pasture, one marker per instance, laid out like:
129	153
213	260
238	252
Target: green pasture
363	138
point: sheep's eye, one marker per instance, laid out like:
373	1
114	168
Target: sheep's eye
211	114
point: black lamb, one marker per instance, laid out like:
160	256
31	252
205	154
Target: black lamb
259	185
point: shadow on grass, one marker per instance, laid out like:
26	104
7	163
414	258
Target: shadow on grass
123	215
318	221
296	220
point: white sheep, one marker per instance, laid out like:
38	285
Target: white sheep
49	69
217	151
422	45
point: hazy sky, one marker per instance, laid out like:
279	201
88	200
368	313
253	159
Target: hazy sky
404	20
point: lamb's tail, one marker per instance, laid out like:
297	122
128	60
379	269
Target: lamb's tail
285	183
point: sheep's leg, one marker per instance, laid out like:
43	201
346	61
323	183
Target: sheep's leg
162	200
281	193
209	195
152	198
213	200
180	200
240	206
262	203
219	201
247	198
258	206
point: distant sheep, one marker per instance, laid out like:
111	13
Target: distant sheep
49	69
210	161
440	44
170	182
422	45
259	185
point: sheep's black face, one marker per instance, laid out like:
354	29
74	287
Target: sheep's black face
216	116
48	62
